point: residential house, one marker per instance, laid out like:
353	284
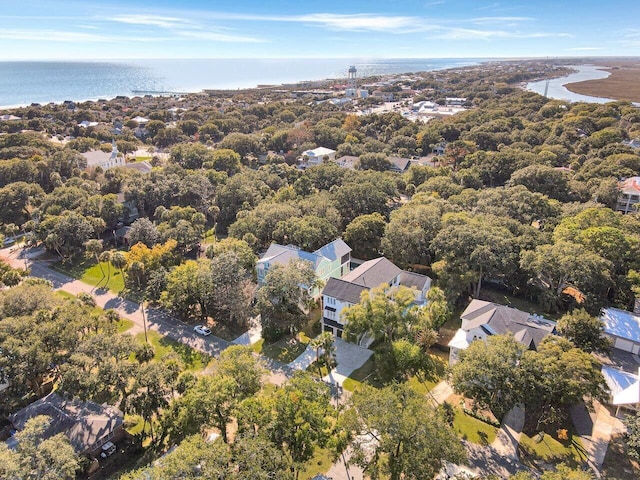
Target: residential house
87	425
456	101
331	261
104	160
482	319
399	164
131	212
314	157
622	328
624	388
8	118
340	293
629	195
348	161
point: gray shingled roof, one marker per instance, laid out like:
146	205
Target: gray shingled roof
413	280
83	423
499	319
343	291
334	250
373	273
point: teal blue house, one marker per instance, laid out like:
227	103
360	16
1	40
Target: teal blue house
331	261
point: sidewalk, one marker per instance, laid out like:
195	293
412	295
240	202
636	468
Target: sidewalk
595	430
508	437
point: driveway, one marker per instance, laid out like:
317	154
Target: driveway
349	357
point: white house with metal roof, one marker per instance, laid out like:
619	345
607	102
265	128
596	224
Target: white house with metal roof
104	160
622	328
331	261
314	157
624	388
338	294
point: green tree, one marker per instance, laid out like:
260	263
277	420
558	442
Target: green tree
299	420
284	296
479	244
143	230
584	330
384	313
408	439
239	363
93	248
193	459
487	373
242	249
225	160
39	457
364	235
563	264
632	436
557	376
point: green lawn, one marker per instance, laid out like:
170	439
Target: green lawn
319	463
370	375
193	359
551	450
472	429
284	350
87	270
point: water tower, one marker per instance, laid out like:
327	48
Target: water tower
351	77
351	90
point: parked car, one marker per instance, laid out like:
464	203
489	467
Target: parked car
202	330
108	449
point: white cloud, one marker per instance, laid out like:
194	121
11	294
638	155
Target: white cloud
500	20
218	37
584	49
362	22
74	37
153	20
476	34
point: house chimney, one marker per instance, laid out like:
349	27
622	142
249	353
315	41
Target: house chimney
636	306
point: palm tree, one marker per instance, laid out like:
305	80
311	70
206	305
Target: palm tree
119	261
105	257
94	248
326	342
316	344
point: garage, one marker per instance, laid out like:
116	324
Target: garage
622	344
623	328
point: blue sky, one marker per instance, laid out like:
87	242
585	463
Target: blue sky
98	29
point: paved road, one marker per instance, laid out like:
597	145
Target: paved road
157	319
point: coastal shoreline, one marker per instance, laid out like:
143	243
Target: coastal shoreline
623	83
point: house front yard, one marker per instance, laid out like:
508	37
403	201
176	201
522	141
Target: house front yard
193	360
90	272
472	429
548	448
285	350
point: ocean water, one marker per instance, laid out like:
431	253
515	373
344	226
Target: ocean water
26	82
